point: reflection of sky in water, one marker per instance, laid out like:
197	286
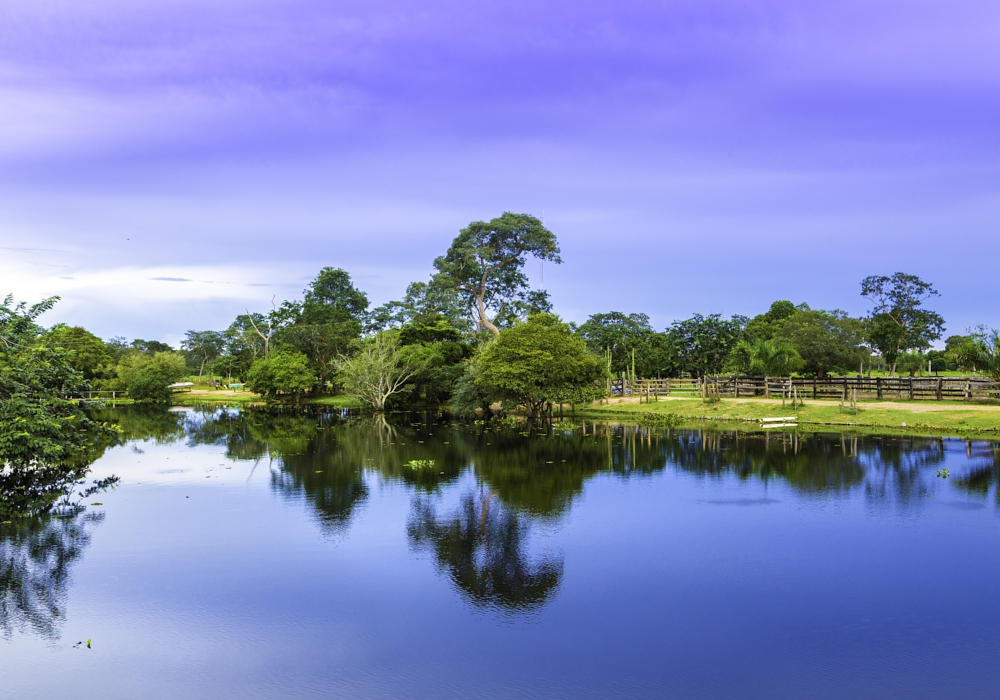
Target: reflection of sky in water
219	577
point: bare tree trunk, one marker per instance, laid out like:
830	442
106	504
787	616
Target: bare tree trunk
485	321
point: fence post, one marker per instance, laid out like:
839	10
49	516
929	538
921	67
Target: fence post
814	388
910	387
940	381
878	387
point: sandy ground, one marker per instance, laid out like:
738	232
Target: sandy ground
914	406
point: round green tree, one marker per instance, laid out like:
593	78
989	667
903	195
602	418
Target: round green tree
284	373
538	361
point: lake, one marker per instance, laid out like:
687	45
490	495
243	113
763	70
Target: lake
286	554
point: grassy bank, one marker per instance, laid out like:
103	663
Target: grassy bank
203	394
922	417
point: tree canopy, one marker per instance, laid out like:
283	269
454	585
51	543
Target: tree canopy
379	369
38	425
898	322
286	372
537	361
485	261
88	354
628	338
701	345
825	340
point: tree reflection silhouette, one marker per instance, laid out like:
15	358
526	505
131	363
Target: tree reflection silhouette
482	547
35	560
525	476
984	473
43	531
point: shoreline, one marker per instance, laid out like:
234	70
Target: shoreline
899	417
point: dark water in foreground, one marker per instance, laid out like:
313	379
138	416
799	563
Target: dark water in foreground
280	556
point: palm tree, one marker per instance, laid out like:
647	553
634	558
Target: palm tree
767	357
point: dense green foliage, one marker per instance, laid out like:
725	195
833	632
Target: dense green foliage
825	340
631	342
202	347
484	267
898	322
87	354
764	356
147	376
380	368
46	440
285	373
539	361
445	342
701	344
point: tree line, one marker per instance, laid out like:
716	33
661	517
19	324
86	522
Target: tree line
475	334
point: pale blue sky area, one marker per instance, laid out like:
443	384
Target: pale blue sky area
166	164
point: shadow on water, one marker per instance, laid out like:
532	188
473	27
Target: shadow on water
527	479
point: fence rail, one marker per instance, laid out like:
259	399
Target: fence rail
99	396
910	388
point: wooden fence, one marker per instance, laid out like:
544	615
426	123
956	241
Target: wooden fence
909	388
99	396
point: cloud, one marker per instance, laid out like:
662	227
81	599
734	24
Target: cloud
170	279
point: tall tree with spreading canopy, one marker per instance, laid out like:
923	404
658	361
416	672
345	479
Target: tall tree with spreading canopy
898	322
485	264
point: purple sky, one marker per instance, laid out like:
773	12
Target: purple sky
690	156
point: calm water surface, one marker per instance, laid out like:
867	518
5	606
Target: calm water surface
269	555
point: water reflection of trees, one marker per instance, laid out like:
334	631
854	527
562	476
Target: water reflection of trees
527	478
144	422
35	560
43	531
984	472
482	548
323	456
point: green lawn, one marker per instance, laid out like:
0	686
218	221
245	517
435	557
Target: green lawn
339	401
924	417
202	394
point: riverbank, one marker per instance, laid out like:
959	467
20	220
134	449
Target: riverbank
228	397
917	417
